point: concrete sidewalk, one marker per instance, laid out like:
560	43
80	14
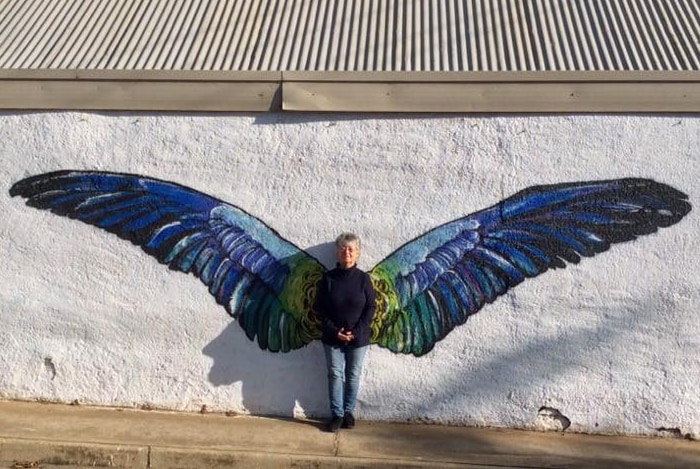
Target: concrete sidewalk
54	435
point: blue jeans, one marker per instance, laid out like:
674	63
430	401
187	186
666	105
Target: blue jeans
344	370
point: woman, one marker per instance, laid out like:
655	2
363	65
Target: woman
345	304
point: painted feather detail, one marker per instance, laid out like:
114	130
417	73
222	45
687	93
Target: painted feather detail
249	269
435	282
424	289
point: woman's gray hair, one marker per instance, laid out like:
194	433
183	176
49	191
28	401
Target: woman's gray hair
346	238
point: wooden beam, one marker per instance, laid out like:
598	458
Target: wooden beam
419	92
144	91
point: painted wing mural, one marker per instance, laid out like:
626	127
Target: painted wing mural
425	288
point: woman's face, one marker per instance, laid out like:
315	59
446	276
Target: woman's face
347	254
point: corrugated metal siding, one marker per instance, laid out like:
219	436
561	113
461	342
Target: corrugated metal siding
354	35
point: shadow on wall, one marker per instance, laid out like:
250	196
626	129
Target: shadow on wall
331	119
503	383
324	253
283	384
277	384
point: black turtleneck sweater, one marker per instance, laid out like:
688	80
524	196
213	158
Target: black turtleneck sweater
345	299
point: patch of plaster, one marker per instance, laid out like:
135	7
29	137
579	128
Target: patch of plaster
550	419
674	433
50	367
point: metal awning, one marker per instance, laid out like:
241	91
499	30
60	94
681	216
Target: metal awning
351	35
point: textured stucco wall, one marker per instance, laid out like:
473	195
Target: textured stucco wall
613	343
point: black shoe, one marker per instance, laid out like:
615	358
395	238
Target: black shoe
334	424
349	421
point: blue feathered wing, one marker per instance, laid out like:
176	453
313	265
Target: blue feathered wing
434	283
424	289
265	282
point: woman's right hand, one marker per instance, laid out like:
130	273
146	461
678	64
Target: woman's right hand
345	337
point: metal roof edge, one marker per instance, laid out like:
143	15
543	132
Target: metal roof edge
139	75
465	77
349	76
502	77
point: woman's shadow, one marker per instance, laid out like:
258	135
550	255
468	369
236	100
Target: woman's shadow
290	384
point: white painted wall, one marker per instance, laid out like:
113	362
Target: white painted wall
613	343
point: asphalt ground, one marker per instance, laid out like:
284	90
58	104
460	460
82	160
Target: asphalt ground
55	435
